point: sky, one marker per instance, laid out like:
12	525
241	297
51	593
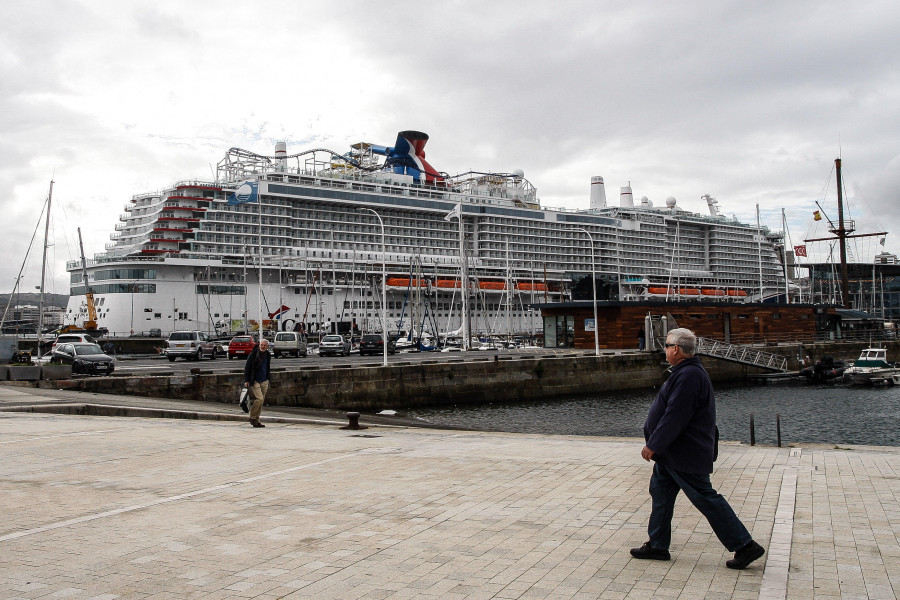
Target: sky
748	102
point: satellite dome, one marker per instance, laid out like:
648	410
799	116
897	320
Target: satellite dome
670	202
645	201
519	173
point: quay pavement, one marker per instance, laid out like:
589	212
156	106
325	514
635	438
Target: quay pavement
205	506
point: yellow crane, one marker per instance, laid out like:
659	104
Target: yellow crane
90	324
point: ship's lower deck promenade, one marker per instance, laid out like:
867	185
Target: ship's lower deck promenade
104	508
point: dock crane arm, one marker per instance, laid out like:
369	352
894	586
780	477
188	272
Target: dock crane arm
91	323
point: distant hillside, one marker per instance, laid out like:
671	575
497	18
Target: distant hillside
49	300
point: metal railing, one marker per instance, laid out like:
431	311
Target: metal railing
741	354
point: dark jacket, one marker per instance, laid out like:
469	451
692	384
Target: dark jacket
681	423
257	366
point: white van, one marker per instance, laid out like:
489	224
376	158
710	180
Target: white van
289	343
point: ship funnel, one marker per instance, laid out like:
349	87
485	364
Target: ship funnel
598	192
626	199
407	157
281	156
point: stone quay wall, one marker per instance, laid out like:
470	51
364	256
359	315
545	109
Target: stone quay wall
407	385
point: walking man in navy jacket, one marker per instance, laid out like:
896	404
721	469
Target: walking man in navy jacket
256	379
680	434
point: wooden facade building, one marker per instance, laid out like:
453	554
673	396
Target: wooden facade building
622	324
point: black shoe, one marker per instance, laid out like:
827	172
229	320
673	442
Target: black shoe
745	556
649	552
256	424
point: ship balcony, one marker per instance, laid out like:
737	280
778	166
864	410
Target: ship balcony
178	218
197	185
158	251
849	226
184	208
179	230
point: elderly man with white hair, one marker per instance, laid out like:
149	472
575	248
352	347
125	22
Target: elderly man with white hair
681	438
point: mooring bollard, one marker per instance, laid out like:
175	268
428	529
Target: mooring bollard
353	417
778	427
752	431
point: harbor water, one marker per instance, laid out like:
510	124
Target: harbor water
826	414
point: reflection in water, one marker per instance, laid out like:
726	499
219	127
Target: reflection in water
828	414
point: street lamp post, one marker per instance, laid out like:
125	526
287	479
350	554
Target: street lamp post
133	285
384	341
593	287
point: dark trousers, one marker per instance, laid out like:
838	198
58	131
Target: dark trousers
665	484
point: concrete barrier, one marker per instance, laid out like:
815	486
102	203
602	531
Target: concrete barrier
56	371
24	373
373	388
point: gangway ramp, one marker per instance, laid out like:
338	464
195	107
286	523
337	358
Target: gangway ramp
746	355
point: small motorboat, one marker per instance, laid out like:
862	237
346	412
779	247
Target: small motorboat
825	369
871	367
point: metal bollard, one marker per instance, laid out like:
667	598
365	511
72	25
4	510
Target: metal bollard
353	417
752	431
778	427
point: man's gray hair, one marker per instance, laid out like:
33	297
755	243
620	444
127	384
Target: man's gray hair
684	339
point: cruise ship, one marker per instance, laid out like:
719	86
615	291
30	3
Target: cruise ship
304	241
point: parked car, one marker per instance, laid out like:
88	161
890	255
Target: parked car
69	338
334	345
191	345
289	343
241	346
372	343
84	357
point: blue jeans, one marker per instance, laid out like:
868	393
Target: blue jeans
665	484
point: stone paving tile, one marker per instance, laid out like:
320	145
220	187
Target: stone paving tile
153	508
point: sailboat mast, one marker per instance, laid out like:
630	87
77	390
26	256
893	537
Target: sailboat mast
842	237
40	323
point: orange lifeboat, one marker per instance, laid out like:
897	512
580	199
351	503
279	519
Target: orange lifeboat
405	282
492	285
689	291
532	287
711	292
737	293
447	283
660	290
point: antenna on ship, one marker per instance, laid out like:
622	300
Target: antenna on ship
712	203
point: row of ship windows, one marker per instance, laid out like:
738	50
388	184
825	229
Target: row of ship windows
633	261
734	244
449	241
313	227
106	274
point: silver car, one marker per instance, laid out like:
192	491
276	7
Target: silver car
192	345
334	345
